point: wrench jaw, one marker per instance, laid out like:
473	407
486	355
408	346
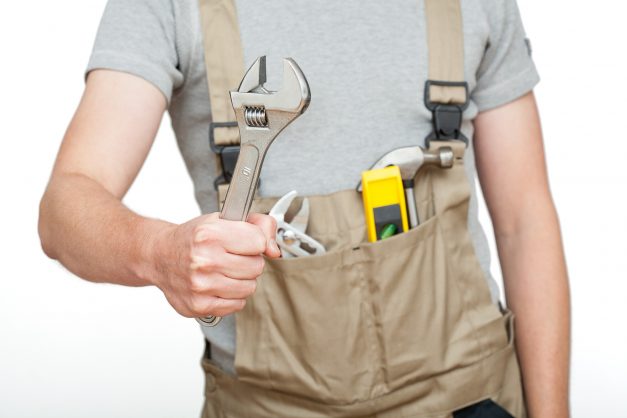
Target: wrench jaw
279	108
294	94
255	77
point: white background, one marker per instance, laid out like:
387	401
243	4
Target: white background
69	348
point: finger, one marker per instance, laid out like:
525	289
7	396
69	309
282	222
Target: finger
201	306
241	267
235	237
222	286
224	307
265	222
268	226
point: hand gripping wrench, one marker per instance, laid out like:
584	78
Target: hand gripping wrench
261	115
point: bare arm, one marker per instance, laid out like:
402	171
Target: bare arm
82	221
511	167
200	267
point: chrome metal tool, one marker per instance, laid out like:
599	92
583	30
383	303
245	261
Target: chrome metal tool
409	160
291	236
261	115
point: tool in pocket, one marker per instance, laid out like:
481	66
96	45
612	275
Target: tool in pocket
291	236
384	203
261	115
409	160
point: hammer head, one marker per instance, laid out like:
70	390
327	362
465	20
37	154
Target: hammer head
407	159
410	159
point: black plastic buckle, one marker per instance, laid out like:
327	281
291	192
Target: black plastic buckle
446	118
228	154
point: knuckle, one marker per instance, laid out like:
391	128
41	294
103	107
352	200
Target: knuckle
194	286
272	222
205	232
259	242
239	305
247	288
211	217
219	309
198	283
211	262
199	231
252	287
197	305
260	265
264	221
208	262
227	307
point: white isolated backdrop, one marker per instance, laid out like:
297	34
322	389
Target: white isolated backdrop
71	349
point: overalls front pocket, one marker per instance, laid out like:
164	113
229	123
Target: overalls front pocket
391	322
313	327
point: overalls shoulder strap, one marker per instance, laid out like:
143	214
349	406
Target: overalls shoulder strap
446	91
224	63
445	37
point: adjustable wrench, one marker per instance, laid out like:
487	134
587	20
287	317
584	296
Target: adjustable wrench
261	115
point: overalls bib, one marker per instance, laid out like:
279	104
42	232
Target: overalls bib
403	327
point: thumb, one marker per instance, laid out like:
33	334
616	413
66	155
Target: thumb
267	224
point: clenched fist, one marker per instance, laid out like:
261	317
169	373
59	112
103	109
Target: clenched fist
209	266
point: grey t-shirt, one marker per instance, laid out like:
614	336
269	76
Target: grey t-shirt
366	63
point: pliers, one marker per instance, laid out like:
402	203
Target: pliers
291	236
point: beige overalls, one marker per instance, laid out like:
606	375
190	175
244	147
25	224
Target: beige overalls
403	327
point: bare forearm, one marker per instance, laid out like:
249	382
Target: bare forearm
93	234
537	291
206	266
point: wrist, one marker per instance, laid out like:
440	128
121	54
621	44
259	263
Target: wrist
152	243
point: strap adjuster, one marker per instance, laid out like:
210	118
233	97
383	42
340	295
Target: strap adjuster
447	121
446	117
228	154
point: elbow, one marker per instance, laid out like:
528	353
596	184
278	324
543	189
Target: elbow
44	229
536	217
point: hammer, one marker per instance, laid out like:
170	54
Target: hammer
409	160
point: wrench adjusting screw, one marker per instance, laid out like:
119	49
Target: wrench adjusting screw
256	117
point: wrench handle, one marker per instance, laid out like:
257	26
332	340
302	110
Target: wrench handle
241	191
239	197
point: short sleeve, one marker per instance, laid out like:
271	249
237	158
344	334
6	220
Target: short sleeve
507	70
139	37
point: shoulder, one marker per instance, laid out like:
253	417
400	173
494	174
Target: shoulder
497	13
139	8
